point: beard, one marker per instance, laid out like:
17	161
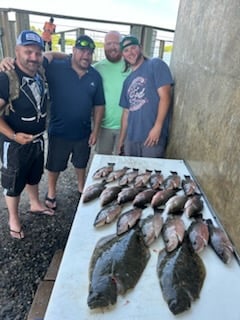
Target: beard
113	55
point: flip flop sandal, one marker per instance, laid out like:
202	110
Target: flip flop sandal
48	212
52	201
20	233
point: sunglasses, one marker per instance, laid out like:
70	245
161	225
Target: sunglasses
85	44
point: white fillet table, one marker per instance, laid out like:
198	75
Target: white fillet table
219	297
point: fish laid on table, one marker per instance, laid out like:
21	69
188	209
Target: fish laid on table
107	214
173	181
220	242
175	204
193	206
151	227
93	191
156	179
198	234
161	197
128	194
181	276
104	171
109	194
173	231
142	179
128	177
189	186
143	197
116	266
128	220
116	174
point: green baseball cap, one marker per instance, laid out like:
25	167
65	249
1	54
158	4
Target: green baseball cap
128	41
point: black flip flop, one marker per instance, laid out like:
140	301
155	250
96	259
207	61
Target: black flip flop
16	232
52	201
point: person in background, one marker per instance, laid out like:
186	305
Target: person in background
49	28
22	124
112	71
76	111
145	99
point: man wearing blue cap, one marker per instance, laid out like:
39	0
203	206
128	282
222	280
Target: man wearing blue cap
145	99
22	124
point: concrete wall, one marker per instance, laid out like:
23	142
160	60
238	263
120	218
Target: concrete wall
206	119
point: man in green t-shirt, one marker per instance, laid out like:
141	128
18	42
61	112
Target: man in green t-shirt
112	71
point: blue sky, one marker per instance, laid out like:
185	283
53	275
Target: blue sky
159	13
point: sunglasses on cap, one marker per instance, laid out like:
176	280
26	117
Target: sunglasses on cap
85	44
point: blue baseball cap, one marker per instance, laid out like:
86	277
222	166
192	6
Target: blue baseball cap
28	37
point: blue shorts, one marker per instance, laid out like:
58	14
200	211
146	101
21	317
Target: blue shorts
60	150
21	165
137	149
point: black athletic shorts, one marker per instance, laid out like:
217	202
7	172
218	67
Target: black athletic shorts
60	150
21	165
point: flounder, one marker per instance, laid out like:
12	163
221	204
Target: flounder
181	276
116	266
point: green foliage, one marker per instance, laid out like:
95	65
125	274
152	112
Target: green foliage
168	48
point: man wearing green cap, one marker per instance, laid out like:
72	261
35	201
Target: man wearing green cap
145	99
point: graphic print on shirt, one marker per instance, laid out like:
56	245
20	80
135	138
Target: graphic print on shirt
136	93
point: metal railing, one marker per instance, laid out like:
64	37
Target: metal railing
153	39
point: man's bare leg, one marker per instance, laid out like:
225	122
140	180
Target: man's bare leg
50	200
14	221
35	205
81	179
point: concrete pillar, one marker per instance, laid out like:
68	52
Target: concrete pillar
147	37
22	22
206	119
7	32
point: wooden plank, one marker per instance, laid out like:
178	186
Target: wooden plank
54	265
40	301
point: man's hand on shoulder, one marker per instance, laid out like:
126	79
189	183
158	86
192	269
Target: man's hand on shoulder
50	55
7	64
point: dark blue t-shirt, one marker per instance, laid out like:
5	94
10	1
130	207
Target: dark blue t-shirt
72	99
140	96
